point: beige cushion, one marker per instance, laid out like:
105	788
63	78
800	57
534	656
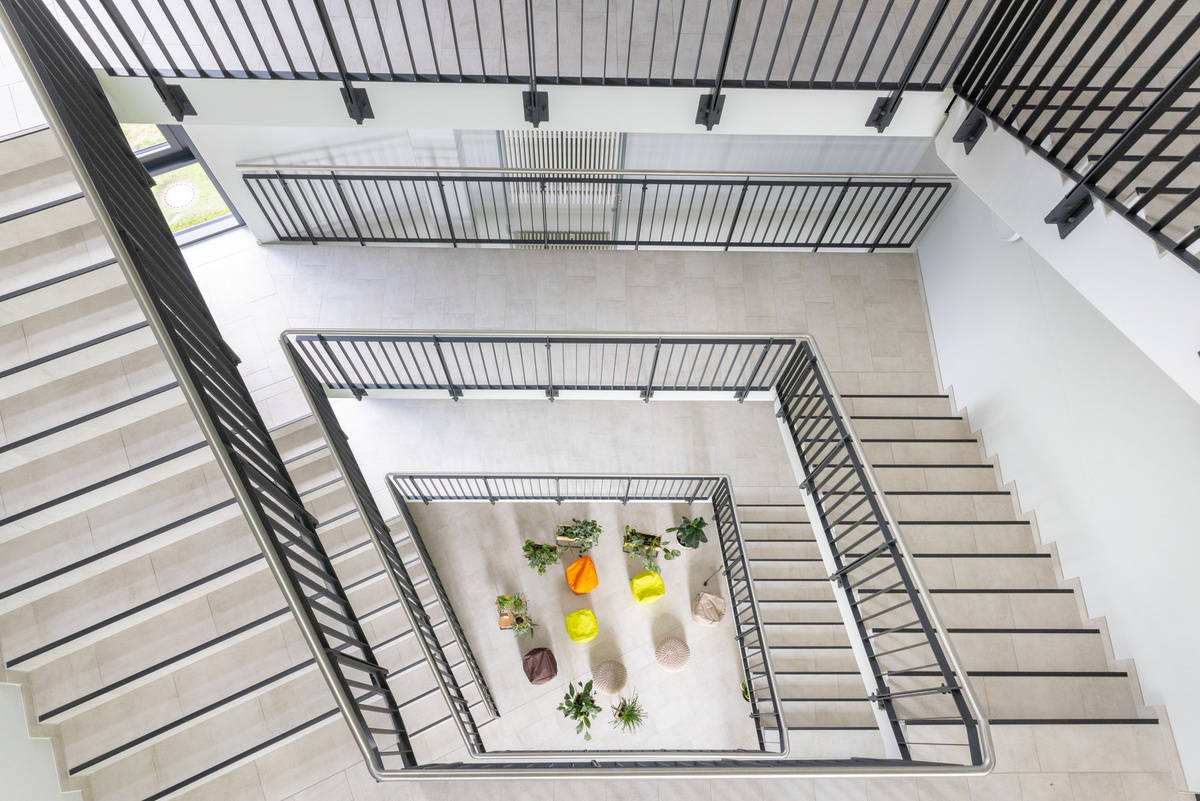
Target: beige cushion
609	677
672	654
710	609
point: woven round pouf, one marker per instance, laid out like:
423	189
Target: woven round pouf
672	654
609	677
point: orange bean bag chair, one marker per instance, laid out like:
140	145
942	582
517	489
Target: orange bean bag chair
581	576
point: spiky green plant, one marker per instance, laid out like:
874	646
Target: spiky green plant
629	715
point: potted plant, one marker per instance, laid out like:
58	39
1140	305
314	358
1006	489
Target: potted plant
580	707
582	535
514	614
690	533
629	715
646	547
540	556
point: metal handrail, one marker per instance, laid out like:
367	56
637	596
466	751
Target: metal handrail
385	547
651	488
597	210
540	171
152	265
982	752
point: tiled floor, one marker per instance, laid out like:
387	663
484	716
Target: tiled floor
18	109
867	314
477	550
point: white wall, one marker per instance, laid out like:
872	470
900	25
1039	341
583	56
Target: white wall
28	763
1102	445
1150	296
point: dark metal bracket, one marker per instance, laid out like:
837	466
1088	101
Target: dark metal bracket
971	129
537	107
1071	211
358	106
708	112
883	111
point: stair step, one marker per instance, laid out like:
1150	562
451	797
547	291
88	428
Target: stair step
110	346
54	255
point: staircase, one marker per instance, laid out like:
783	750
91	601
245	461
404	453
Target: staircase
1032	657
135	605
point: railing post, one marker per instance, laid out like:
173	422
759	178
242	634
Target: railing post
455	391
551	392
446	207
737	212
350	385
536	104
545	219
172	95
357	104
349	211
741	394
708	112
885	107
649	390
637	237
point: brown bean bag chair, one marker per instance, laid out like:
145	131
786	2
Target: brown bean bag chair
540	665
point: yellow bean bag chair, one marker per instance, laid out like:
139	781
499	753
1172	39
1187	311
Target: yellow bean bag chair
647	587
581	576
582	625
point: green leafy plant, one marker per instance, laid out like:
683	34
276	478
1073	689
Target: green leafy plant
582	535
581	707
511	603
629	715
690	533
645	548
540	556
514	612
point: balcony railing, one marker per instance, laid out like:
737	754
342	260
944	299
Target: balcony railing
770	729
878	45
902	648
396	569
1108	92
548	208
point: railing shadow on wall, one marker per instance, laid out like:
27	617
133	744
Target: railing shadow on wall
1109	93
917	683
609	210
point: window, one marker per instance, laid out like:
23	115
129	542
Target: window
190	200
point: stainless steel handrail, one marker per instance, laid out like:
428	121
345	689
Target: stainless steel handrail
534	171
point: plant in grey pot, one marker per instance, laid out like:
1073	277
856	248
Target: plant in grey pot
690	533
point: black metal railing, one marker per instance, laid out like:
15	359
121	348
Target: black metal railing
765	711
1109	93
455	364
402	581
869	567
880	595
878	45
545	209
206	370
